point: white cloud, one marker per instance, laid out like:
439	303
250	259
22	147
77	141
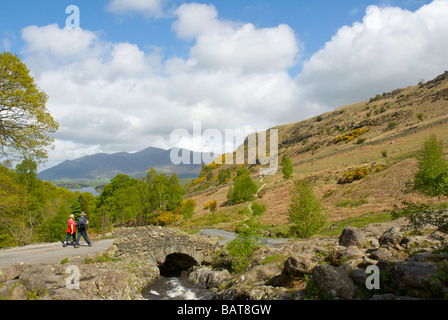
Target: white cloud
390	48
112	97
117	97
226	44
148	7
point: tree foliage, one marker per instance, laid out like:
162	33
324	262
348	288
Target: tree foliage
243	189
25	123
32	210
305	210
430	179
287	167
248	238
432	175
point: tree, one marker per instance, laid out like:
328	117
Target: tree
243	189
287	167
25	123
247	239
432	175
188	208
175	193
305	210
430	179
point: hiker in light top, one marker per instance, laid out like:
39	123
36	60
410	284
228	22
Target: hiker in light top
71	230
82	230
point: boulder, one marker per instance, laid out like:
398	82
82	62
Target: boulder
381	254
391	237
417	279
334	282
209	278
299	265
351	252
352	236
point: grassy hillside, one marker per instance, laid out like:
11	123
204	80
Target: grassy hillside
381	136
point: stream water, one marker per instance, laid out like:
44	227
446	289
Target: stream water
176	288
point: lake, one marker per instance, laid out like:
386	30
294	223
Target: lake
87	189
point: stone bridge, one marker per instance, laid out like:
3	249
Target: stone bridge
171	250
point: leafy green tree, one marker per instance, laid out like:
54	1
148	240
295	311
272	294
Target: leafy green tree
25	123
248	238
244	189
87	201
188	208
305	210
432	175
287	167
14	198
430	179
124	200
175	193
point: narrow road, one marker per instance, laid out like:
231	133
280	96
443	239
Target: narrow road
227	236
50	253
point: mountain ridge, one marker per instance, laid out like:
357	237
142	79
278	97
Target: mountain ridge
105	165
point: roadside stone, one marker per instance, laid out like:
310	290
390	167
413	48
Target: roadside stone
4	292
391	237
19	293
359	277
352	236
334	282
209	278
351	252
11	272
381	254
417	279
299	265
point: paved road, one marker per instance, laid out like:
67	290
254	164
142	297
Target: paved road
227	236
50	252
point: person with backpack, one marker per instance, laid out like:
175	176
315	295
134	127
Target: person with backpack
71	230
82	230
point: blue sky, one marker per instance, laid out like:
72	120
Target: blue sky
137	70
315	22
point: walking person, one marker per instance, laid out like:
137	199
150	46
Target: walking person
71	230
82	230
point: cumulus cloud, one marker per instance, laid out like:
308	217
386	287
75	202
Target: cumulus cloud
227	44
112	97
116	97
390	48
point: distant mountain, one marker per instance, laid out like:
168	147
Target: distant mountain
134	165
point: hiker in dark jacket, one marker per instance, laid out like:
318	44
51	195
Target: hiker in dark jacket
82	230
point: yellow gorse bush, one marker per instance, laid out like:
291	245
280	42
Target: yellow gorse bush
358	174
351	135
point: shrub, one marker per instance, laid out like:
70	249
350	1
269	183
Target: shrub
243	189
188	208
167	217
351	135
305	211
350	176
432	175
248	238
420	116
212	205
287	167
258	209
392	125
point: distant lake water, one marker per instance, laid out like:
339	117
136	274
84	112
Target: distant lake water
87	189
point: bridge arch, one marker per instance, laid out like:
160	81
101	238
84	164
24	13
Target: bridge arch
171	250
175	264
